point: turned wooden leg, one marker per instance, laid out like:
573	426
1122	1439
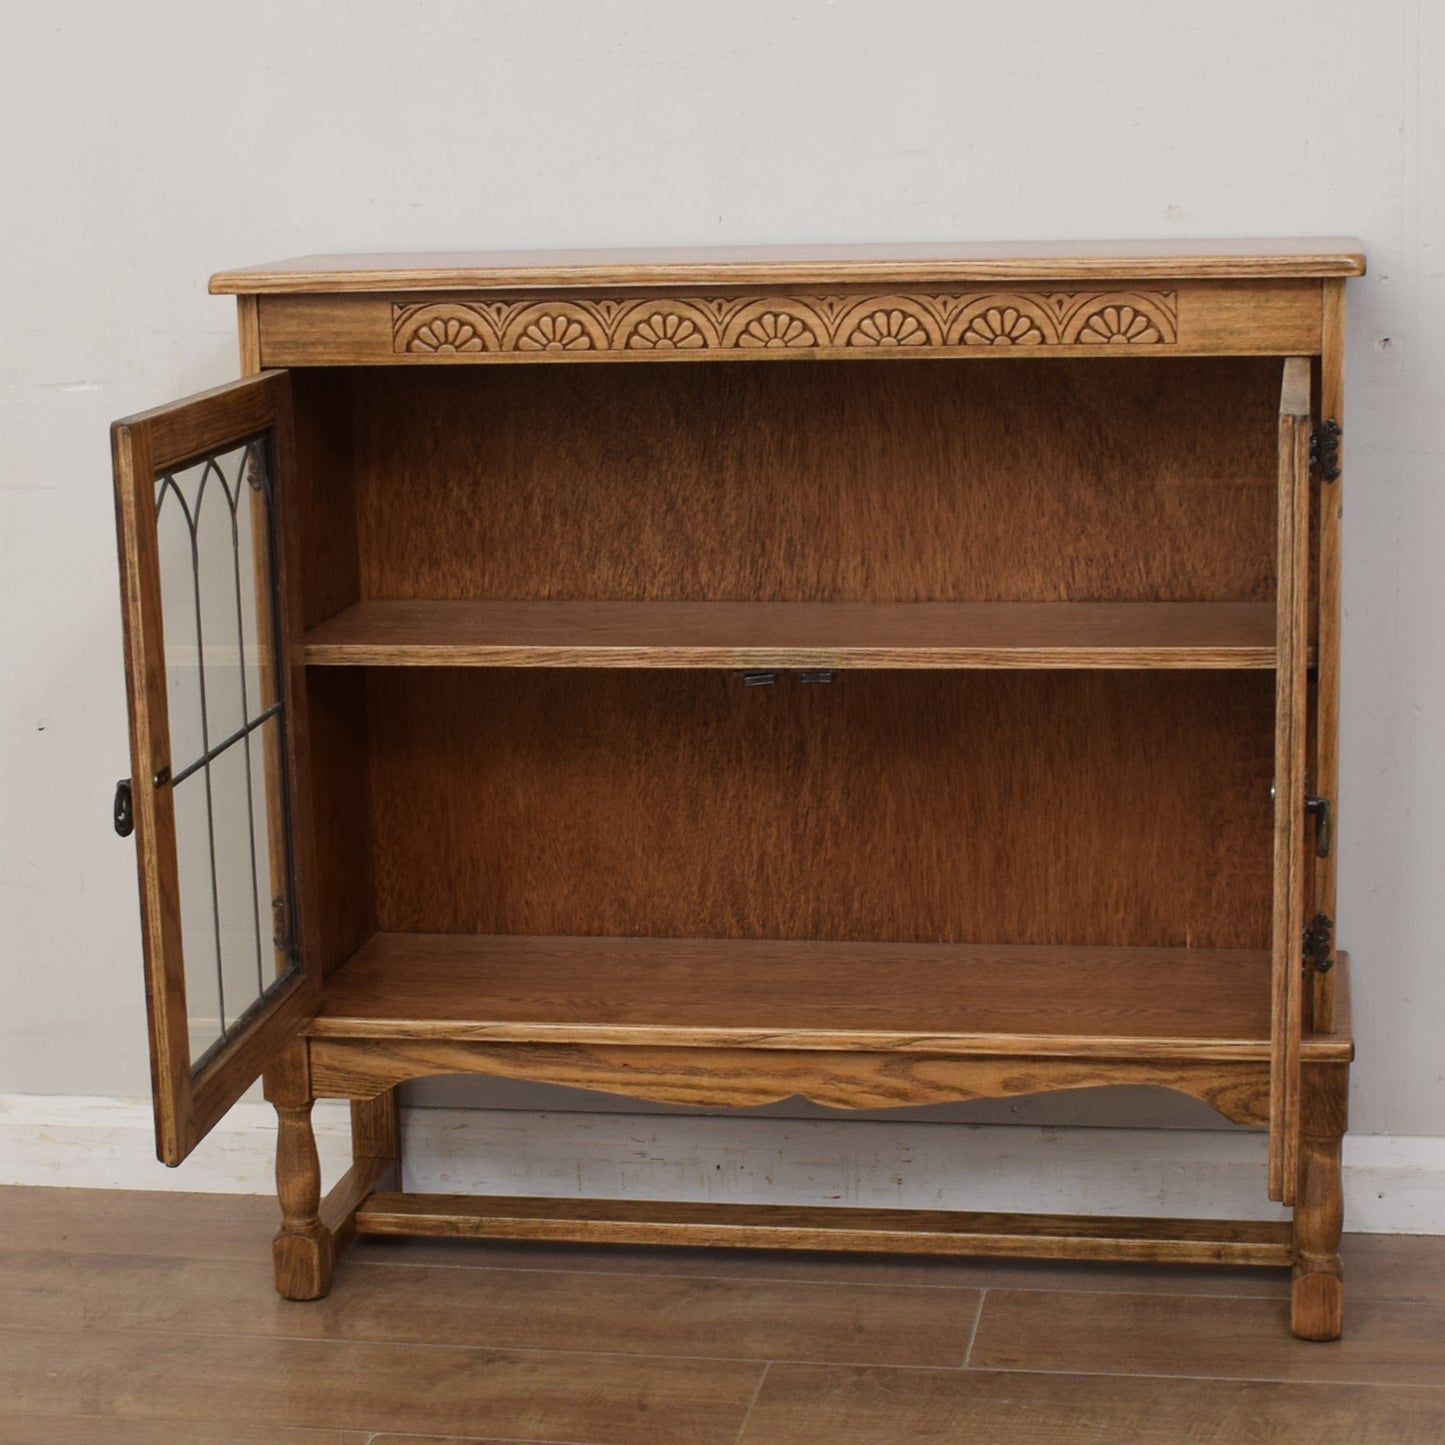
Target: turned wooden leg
1317	1300
301	1253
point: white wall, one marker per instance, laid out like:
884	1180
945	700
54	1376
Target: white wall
147	145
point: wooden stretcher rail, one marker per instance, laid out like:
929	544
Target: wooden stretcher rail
882	1231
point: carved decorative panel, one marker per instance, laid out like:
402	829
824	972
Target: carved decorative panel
902	321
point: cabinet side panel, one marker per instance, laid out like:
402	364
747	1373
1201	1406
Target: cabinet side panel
340	820
1324	761
1140	480
328	579
325	487
1043	808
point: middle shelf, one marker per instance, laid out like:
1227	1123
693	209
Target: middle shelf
417	633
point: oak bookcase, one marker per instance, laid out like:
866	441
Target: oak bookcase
878	675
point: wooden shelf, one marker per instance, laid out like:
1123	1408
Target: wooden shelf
959	999
797	635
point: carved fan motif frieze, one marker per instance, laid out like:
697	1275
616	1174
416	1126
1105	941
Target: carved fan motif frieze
906	322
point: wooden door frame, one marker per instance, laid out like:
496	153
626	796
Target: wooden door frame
188	1103
1291	728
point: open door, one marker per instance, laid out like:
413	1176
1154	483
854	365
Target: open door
212	708
1290	729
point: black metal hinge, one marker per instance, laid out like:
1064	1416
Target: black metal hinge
1318	943
1325	450
1319	810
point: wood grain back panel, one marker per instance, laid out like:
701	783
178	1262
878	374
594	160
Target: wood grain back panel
1040	808
917	481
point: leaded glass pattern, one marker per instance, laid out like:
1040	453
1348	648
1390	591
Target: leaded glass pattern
227	729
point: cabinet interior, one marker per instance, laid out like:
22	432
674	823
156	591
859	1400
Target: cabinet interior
1126	806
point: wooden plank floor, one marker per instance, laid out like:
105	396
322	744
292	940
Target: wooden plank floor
135	1319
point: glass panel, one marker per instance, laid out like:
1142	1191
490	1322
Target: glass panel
174	542
218	578
226	733
253	589
198	918
273	891
238	885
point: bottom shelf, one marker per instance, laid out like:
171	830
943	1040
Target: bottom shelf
956	999
878	1231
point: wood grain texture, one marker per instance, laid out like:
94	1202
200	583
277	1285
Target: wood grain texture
1019	807
153	807
1181	1280
93	1292
207	421
1291	701
1324	743
322	494
343	1385
343	905
1243	1338
464	328
91	1429
188	1104
886	1231
1317	1293
797	634
636	1314
302	1252
1124	481
804	1404
428	328
664	327
721	1077
248	328
686	992
802	265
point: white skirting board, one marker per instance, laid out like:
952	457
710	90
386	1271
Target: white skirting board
1392	1185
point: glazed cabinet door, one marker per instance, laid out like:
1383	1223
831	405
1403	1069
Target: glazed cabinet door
1291	729
200	491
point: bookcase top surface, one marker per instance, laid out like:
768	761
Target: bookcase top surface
804	265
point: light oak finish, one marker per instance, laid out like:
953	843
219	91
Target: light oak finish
736	993
1022	841
1324	743
797	635
1292	602
879	1231
802	265
1228	318
188	1102
1317	1300
728	1078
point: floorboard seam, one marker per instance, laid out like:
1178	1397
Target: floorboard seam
748	1413
488	1348
665	1274
1311	1381
973	1333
